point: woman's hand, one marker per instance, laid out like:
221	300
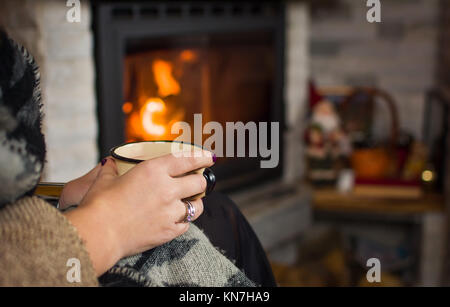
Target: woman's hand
142	209
75	190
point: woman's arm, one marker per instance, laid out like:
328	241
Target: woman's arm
97	235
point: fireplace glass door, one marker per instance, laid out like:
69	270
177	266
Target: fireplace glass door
224	77
209	65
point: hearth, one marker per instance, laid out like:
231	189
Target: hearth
162	62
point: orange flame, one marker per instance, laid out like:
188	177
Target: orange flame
152	121
153	105
151	118
167	85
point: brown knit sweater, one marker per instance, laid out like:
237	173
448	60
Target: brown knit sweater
36	243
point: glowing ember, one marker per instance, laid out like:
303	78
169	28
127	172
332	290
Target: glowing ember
167	85
188	55
127	107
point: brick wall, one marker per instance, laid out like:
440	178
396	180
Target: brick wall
64	52
397	55
295	91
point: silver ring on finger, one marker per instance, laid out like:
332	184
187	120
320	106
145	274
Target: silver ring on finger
190	211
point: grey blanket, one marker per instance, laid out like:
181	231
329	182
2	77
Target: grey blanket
188	261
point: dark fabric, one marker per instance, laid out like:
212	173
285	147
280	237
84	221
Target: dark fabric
228	229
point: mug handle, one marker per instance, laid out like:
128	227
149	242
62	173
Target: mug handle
210	180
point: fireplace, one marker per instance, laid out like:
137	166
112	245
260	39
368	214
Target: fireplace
162	62
74	84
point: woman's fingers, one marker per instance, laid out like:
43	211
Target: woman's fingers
183	212
182	163
91	175
108	171
189	185
76	189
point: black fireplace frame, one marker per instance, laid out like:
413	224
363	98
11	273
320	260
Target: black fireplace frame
115	22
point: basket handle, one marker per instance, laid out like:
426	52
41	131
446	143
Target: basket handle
374	93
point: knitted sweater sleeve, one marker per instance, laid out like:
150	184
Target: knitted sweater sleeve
39	247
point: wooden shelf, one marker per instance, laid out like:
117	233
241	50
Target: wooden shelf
332	200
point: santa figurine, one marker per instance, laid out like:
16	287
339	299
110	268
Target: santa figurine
324	114
326	141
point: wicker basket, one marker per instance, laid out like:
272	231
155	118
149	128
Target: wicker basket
378	162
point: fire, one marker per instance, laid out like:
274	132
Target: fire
152	121
150	117
153	105
167	85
